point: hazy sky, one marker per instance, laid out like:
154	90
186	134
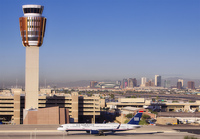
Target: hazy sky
105	39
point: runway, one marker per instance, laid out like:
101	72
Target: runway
50	132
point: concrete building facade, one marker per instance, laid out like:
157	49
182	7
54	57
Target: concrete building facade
164	106
45	116
81	108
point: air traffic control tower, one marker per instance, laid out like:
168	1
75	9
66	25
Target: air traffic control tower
32	29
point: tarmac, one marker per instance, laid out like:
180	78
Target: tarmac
50	132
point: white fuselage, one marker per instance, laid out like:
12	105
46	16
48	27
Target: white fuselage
103	127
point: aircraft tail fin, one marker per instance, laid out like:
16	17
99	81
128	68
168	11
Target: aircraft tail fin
136	119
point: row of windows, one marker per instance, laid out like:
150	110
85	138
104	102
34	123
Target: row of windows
87	104
33	26
88	99
65	107
91	100
49	103
56	99
32	38
53	100
89	111
36	21
32	32
33	10
33	20
86	107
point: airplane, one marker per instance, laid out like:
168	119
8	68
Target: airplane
103	127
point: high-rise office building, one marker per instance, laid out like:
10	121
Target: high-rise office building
191	85
179	85
149	84
118	83
167	84
93	84
157	80
181	80
143	81
32	28
125	83
132	82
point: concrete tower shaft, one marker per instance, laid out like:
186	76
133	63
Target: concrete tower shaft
32	28
32	77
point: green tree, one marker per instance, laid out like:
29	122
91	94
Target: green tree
189	137
133	96
130	115
145	116
154	112
112	96
157	97
143	122
126	121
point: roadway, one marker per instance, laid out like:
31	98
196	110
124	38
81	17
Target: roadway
50	132
165	96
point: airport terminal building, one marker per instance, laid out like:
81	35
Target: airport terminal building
163	106
77	108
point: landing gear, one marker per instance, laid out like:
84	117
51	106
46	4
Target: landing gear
113	132
101	133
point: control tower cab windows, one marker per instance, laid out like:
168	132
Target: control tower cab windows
33	10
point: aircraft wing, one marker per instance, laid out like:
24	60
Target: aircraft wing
112	130
101	131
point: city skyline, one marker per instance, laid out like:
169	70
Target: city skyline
165	82
99	40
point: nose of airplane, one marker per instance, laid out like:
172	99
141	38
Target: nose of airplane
60	128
